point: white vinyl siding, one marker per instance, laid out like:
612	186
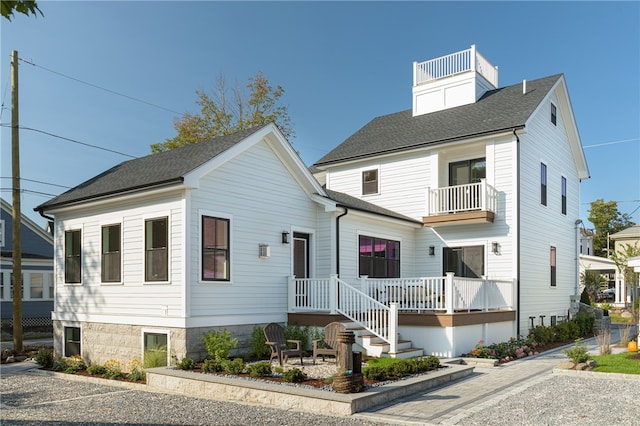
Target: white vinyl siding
132	301
265	200
542	228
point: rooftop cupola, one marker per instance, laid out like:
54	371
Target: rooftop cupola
449	81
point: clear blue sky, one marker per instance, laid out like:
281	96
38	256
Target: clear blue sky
341	65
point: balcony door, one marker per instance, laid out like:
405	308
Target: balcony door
301	258
464	173
467	171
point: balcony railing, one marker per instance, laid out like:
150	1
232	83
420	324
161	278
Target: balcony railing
478	196
455	63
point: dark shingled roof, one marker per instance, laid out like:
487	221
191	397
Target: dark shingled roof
358	204
164	168
496	111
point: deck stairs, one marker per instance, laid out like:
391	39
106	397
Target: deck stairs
374	346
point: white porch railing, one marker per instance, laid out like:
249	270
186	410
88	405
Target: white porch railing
478	196
455	63
336	296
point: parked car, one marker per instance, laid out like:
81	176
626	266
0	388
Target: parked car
609	294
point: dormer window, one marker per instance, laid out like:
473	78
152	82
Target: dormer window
370	182
553	114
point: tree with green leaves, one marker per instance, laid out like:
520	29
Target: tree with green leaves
592	281
606	219
228	111
8	7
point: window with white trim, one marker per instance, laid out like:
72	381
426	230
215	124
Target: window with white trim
36	285
111	253
72	256
543	184
552	261
155	350
72	341
215	249
554	114
370	182
563	200
156	237
379	257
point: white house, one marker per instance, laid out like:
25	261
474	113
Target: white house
443	225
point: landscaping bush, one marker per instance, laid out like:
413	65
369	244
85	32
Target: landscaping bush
569	330
388	368
234	367
211	366
44	357
136	372
95	370
375	372
74	364
297	332
186	364
258	344
577	353
113	369
584	297
219	344
259	369
585	323
295	375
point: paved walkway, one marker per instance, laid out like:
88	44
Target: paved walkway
451	403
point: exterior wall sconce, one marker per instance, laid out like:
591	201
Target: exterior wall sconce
495	247
432	251
285	237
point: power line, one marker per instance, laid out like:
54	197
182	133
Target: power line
100	87
44	194
4	96
71	140
37	181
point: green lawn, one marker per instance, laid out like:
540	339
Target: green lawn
618	363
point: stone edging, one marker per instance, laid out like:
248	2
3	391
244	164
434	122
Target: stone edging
597	374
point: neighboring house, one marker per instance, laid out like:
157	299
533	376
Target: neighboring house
446	224
623	240
37	271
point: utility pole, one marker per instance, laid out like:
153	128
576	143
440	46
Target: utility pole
16	211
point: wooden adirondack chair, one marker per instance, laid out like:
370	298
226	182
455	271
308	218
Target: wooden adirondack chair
330	341
274	334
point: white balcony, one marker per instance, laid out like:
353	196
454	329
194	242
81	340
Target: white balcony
469	203
453	64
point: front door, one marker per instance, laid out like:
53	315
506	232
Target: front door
301	255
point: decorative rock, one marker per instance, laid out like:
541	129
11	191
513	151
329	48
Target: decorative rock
566	365
591	364
10	359
581	366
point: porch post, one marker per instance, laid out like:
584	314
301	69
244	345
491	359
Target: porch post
448	292
364	284
485	294
393	327
483	195
333	293
428	195
291	280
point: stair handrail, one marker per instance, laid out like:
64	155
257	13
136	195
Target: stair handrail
367	312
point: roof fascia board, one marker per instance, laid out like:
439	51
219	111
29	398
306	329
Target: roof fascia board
110	198
328	204
380	217
436	145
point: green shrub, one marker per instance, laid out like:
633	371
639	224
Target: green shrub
95	370
60	364
295	375
219	344
259	369
427	363
75	363
569	330
211	366
542	335
186	364
234	367
113	369
375	372
402	368
258	347
578	353
585	323
136	372
297	332
44	357
584	297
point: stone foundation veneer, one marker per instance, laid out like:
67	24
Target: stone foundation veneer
101	342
